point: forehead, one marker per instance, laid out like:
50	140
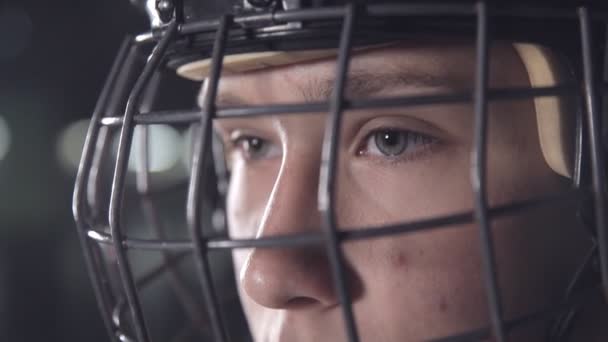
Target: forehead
406	66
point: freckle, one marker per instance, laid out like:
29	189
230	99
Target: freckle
443	305
399	259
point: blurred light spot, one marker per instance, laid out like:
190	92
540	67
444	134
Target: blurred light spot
218	219
16	30
5	138
98	237
188	136
141	4
164	149
70	143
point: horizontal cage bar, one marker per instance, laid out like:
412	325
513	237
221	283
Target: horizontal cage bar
194	115
345	234
379	10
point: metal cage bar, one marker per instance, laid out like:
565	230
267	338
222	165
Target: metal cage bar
420	9
118	185
478	173
347	233
604	110
194	115
142	176
202	153
327	180
79	201
94	177
116	104
121	89
150	212
598	171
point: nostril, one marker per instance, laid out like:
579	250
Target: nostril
288	279
299	302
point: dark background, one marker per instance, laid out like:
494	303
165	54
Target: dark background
54	56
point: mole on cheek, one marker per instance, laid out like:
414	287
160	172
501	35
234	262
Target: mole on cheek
443	304
398	259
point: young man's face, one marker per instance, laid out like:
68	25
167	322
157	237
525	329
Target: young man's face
395	165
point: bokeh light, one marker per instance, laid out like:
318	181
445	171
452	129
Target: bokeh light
188	136
164	149
70	143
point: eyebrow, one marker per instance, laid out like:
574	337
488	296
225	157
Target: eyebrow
361	84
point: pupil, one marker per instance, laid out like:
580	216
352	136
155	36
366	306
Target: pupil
391	138
391	143
254	144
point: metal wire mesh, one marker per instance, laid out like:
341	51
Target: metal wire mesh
87	204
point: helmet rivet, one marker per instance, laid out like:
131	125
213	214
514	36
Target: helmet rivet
165	9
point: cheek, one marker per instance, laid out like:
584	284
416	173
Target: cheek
418	278
375	194
247	197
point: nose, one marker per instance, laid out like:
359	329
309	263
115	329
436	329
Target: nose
290	277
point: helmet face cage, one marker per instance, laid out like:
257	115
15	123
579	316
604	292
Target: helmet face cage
181	33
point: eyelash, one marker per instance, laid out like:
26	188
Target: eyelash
416	145
237	143
421	143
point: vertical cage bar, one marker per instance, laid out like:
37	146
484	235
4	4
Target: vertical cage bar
79	198
478	173
142	178
188	302
118	184
327	181
119	94
143	173
94	180
598	171
604	109
115	105
201	154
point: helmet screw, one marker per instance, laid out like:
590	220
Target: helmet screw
165	9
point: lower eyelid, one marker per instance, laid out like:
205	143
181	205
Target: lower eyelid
421	154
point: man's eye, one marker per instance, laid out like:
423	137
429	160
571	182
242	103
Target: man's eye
254	148
393	143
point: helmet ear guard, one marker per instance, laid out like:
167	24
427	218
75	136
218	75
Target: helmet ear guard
553	114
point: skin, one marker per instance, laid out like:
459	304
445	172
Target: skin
407	287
